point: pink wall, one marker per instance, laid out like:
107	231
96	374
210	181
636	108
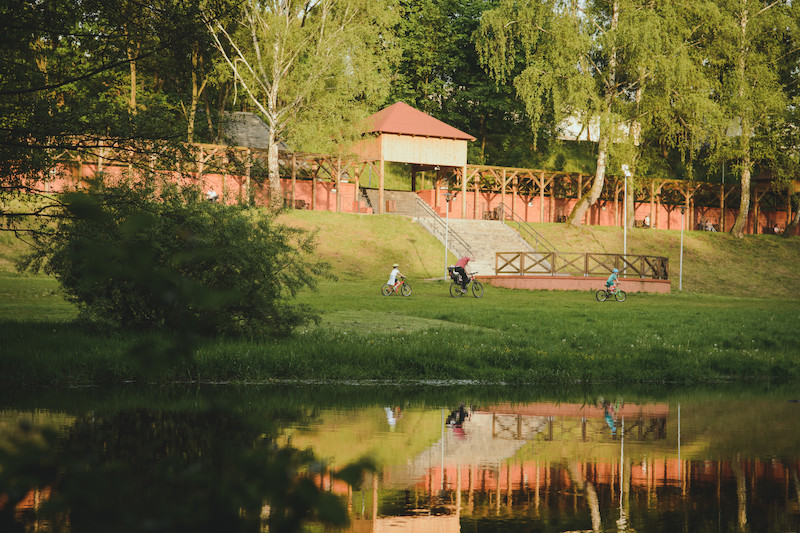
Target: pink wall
231	189
576	283
603	213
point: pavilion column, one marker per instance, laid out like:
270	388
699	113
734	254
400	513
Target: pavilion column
464	191
413	178
722	208
247	166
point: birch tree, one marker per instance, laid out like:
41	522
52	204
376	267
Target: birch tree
744	49
564	60
310	68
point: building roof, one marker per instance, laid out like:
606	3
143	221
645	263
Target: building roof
403	119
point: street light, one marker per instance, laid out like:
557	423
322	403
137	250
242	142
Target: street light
625	212
447	197
680	275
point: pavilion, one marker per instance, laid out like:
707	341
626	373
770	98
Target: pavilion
403	134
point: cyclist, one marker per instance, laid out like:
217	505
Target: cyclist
612	278
395	276
461	269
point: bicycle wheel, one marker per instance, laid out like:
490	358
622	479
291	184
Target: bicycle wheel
601	295
386	290
405	290
620	296
455	290
477	289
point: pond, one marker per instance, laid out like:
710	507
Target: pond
457	458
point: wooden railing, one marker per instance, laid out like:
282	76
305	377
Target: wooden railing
579	264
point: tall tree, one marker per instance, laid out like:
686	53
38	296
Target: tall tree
745	48
312	69
563	59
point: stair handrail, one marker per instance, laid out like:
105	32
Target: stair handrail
504	212
363	191
439	227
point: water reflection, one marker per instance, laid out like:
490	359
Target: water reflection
603	466
455	462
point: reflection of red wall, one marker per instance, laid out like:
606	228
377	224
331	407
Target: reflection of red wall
653	473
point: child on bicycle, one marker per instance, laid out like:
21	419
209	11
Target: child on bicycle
612	279
395	276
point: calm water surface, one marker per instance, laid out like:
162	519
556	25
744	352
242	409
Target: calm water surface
470	459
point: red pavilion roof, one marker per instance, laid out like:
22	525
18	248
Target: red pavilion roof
403	119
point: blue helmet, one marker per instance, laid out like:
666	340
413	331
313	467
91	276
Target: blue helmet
615	271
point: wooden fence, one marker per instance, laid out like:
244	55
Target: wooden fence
580	264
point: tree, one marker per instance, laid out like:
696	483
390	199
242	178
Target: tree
312	69
563	60
744	49
167	260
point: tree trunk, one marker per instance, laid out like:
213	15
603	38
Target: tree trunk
606	130
791	227
744	141
197	90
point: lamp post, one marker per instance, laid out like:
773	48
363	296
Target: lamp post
625	213
680	275
447	197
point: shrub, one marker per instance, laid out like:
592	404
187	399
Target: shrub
140	258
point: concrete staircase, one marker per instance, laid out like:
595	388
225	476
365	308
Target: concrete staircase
486	238
396	202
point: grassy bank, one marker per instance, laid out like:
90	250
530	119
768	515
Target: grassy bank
523	337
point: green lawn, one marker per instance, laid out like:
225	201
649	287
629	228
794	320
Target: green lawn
715	330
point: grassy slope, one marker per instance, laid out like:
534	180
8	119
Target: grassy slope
364	247
713	263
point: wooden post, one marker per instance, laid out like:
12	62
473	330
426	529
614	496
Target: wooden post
314	170
413	178
514	196
541	197
339	184
248	165
464	191
652	207
381	207
552	204
755	211
356	203
503	188
722	207
294	180
476	196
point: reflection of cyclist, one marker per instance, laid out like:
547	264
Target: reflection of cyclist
460	268
457	417
394	276
612	278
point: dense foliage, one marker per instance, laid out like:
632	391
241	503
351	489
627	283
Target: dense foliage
134	257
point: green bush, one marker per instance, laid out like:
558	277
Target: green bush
167	260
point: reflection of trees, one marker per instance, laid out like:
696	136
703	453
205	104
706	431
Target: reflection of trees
141	470
591	495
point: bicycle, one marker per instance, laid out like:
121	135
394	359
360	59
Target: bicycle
401	286
455	287
611	292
